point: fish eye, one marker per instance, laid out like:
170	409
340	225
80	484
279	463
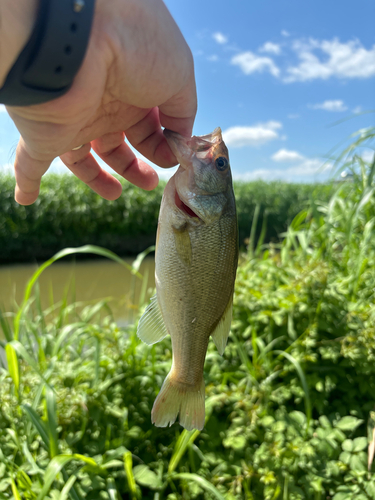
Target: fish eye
221	163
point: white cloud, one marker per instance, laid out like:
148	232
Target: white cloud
367	155
285	155
307	171
272	48
337	105
213	58
340	60
220	38
2	108
293	116
238	137
357	109
251	63
317	59
285	33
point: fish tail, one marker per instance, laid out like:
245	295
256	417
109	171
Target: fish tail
175	398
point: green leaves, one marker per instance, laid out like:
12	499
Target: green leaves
69	214
303	381
128	464
13	366
185	440
353	454
348	423
146	477
202	482
286	403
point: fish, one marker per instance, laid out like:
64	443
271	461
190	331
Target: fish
195	269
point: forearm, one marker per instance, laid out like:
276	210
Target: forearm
17	18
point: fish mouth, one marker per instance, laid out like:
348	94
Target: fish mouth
183	207
184	147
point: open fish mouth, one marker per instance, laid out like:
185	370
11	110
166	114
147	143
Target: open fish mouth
183	207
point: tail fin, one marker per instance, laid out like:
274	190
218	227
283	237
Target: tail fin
173	399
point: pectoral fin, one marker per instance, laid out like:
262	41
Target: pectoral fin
221	332
151	328
183	244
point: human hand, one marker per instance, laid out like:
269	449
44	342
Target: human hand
137	76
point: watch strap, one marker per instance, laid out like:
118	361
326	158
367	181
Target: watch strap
47	65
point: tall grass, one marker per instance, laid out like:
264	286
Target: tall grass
286	406
68	213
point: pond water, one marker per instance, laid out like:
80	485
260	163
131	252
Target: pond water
83	281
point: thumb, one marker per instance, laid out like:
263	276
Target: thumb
178	113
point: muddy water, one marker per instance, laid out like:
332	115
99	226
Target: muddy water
86	282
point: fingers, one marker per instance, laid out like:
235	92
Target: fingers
28	172
84	166
112	149
178	113
147	137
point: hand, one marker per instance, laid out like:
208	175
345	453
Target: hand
137	76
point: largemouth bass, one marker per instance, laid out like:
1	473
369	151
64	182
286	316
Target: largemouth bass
196	261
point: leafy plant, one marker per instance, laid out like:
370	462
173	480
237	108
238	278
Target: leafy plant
286	406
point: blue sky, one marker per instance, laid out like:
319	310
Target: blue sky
275	76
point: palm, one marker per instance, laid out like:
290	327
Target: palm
116	93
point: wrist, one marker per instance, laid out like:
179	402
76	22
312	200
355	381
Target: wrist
17	19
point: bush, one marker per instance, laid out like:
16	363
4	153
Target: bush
68	213
289	407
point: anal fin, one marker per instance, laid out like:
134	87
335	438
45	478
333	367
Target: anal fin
151	328
221	332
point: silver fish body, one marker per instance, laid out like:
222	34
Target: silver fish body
196	262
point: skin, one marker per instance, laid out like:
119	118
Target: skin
137	77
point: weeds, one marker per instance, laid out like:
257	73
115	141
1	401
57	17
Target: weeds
286	406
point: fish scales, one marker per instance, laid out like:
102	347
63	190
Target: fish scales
204	283
196	261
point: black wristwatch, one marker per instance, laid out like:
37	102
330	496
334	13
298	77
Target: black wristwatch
48	63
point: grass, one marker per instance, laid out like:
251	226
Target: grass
289	407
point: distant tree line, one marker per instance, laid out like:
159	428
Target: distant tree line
69	214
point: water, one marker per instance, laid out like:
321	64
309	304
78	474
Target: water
87	281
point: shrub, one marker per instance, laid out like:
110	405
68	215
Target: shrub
69	214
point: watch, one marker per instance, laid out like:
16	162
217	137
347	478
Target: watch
47	65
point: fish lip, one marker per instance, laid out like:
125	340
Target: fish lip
179	145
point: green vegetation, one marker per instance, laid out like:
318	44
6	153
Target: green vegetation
67	213
290	405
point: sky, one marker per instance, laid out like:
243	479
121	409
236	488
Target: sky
286	81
